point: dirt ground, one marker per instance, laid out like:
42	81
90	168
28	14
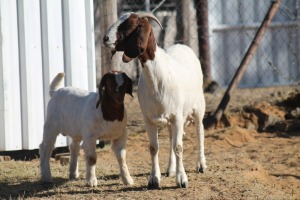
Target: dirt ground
254	153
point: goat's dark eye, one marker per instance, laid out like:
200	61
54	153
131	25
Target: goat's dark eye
121	36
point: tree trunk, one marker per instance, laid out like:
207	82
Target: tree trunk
107	15
203	38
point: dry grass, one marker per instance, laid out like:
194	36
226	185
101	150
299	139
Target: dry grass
242	164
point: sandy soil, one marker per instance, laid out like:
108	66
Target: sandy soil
245	161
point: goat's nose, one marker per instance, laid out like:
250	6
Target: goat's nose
106	38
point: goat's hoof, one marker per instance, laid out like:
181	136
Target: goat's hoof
182	180
183	184
92	182
170	173
73	176
128	181
46	180
201	169
153	183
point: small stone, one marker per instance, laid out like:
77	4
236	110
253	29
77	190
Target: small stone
64	160
5	158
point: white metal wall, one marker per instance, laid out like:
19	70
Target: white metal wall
38	39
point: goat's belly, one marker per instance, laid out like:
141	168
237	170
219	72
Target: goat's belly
159	119
109	130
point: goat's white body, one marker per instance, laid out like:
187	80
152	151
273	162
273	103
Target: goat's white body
170	91
171	85
72	112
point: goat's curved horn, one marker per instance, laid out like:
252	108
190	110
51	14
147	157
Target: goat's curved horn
150	15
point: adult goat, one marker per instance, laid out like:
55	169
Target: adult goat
169	89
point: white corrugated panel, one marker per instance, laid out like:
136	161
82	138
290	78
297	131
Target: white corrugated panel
10	110
52	43
90	43
31	72
75	43
40	38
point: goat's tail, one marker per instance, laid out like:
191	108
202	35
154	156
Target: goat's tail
55	84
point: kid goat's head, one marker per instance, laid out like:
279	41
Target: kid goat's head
112	88
133	34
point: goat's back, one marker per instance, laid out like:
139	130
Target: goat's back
182	66
68	106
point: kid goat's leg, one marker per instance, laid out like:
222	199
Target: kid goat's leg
118	147
89	146
74	151
45	150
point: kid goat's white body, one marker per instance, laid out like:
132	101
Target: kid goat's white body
72	112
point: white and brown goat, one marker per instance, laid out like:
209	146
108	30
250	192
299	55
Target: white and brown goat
169	89
76	113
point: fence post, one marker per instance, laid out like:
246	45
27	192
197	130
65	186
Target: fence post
108	15
203	40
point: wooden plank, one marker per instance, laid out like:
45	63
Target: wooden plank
10	110
31	72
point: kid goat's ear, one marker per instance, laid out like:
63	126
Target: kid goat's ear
129	84
101	89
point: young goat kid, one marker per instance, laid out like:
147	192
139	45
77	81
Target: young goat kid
76	113
169	90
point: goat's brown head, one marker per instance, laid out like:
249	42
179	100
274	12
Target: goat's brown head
112	88
133	35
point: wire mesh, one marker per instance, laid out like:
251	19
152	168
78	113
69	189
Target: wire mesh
232	25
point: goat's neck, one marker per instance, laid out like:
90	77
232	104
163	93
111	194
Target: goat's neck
153	71
112	111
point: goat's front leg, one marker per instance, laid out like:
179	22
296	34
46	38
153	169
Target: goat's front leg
154	179
177	134
171	170
45	150
118	147
74	151
89	146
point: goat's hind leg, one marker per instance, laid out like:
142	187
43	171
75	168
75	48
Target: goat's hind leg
201	165
74	151
171	170
45	151
118	147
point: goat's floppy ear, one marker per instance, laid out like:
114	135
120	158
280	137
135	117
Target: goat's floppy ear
137	43
101	90
129	84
